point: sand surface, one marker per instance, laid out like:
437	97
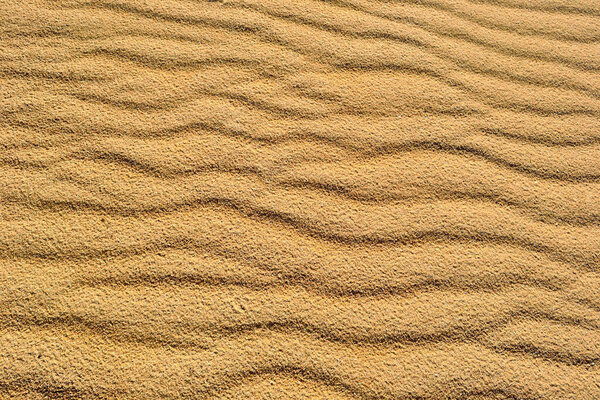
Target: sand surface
304	199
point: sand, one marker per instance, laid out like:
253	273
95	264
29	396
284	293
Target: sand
300	199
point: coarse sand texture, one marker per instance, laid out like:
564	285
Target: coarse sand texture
300	199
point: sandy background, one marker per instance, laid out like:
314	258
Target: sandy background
273	199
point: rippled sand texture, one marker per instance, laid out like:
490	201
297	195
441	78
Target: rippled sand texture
272	199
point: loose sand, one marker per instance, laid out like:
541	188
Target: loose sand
272	199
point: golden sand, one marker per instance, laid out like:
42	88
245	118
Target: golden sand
273	199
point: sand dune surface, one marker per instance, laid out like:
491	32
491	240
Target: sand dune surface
280	199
